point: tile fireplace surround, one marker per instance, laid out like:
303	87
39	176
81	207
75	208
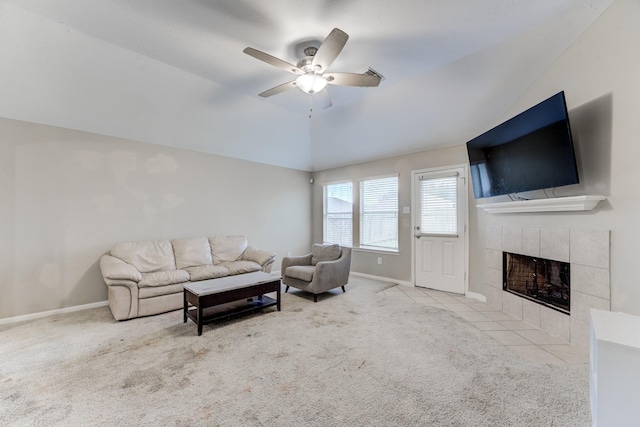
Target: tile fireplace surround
588	253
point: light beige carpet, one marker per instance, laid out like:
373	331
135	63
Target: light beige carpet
353	359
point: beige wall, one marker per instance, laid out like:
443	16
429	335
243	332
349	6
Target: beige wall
68	196
599	74
395	266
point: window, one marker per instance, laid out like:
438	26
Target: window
439	202
379	213
338	213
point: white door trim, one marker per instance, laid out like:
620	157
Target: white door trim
414	220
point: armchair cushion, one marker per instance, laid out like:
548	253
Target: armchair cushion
302	272
321	253
227	248
192	252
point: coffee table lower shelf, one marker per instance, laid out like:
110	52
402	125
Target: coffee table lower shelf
230	310
221	299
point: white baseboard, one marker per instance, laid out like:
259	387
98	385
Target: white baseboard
383	279
473	295
369	276
477	296
42	314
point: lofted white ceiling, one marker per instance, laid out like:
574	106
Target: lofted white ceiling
173	72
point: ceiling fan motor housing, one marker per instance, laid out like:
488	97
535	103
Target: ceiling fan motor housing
305	64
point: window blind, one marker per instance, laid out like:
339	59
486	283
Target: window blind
439	205
338	213
379	213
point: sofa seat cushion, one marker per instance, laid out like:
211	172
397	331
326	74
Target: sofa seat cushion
192	252
240	267
205	272
146	256
156	291
227	248
163	278
301	272
320	253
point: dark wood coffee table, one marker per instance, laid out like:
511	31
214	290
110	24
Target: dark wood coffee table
220	299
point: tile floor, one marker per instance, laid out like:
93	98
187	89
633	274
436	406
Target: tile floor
526	340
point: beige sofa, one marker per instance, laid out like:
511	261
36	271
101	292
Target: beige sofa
147	277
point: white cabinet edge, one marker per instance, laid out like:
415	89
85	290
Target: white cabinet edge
556	204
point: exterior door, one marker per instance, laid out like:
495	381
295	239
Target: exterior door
439	221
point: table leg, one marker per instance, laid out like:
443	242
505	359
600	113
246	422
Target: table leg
199	319
278	298
186	306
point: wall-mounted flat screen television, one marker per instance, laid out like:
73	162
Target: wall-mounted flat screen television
531	151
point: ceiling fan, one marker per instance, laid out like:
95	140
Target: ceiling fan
312	69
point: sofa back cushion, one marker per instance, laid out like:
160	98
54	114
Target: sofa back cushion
321	253
192	252
227	248
146	256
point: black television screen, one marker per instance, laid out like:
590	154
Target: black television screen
531	151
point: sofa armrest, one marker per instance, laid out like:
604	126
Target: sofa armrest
260	256
116	271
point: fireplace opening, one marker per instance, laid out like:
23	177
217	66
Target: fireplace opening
544	281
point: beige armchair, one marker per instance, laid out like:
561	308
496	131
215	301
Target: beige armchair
325	268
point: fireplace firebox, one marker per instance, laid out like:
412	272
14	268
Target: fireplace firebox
544	281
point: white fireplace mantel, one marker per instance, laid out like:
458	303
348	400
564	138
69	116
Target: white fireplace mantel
556	204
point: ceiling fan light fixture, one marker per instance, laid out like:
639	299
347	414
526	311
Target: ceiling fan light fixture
311	83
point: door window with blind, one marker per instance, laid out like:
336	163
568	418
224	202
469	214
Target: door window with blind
338	213
379	213
439	206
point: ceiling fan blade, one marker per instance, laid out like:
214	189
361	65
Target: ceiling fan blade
321	100
272	60
329	50
352	79
278	89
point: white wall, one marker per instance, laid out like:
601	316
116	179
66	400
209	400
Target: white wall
66	197
599	74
